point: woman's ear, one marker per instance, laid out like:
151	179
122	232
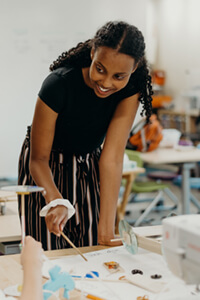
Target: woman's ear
134	69
92	53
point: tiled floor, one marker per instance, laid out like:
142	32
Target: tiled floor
155	217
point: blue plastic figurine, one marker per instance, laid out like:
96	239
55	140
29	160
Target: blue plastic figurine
58	280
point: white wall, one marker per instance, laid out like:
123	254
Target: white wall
178	28
33	34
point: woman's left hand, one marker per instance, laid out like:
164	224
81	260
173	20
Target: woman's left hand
106	240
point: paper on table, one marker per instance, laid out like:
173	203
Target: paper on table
10	291
149	263
66	264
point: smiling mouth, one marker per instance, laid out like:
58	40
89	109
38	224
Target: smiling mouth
103	90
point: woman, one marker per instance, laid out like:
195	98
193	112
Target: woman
83	115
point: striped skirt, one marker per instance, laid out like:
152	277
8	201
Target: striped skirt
77	178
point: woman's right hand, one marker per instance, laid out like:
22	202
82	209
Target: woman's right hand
56	218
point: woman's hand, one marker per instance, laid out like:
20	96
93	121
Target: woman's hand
105	240
31	256
56	218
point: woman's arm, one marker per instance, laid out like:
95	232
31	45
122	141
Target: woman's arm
31	260
111	164
42	136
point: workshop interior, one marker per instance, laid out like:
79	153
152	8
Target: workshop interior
158	208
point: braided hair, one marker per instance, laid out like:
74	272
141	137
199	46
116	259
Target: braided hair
126	39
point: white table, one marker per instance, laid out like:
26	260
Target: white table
4	198
187	158
10	229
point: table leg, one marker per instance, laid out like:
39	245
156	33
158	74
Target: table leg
23	224
23	218
186	187
122	206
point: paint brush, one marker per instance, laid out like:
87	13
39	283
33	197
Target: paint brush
77	250
90	296
80	278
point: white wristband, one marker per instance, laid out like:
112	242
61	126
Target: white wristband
64	202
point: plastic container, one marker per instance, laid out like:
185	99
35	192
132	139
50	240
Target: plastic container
171	138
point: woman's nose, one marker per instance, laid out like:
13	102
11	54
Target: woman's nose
107	82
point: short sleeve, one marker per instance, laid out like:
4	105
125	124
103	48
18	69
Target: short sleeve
52	92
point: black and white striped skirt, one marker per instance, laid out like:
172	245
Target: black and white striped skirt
77	178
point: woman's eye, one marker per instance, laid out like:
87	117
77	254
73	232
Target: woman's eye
99	69
119	77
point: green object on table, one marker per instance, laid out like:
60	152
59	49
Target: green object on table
128	237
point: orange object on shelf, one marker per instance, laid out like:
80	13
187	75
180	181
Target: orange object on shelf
158	77
160	100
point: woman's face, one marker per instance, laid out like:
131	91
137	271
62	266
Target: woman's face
109	71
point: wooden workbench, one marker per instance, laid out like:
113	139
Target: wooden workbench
11	272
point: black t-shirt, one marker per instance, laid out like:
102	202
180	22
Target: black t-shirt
83	117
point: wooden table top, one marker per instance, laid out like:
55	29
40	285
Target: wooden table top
11	272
